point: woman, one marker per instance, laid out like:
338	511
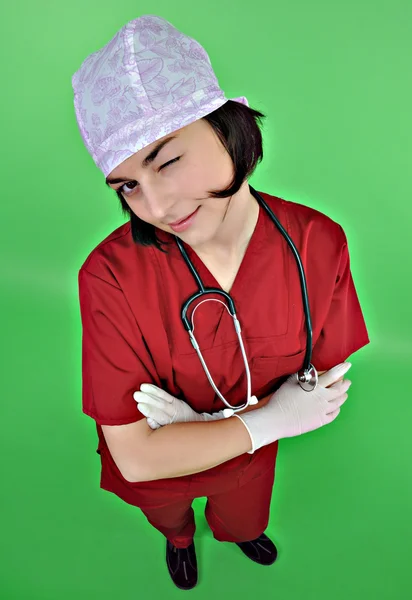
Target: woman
178	155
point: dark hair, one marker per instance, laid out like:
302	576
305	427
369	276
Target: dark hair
238	127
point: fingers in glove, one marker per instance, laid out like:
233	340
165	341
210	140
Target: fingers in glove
156	392
152	423
145	409
152	413
335	404
341	386
336	394
155	402
334	374
332	415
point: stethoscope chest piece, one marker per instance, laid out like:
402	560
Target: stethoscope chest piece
308	380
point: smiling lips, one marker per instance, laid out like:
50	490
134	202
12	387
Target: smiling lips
183	224
181	220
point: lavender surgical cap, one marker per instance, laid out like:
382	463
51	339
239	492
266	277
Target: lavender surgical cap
146	82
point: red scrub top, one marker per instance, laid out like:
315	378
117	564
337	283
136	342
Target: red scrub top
131	298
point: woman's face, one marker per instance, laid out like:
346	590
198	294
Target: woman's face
162	195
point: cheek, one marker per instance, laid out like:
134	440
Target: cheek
189	182
139	210
204	174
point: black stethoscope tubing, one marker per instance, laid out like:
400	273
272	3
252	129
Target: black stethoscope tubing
203	290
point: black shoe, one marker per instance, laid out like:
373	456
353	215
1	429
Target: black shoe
261	550
182	565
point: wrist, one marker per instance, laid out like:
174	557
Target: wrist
211	416
219	415
262	402
261	427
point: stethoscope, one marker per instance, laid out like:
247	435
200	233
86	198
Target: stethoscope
307	376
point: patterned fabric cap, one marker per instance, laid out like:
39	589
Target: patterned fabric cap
146	82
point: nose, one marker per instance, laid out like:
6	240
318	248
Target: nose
157	205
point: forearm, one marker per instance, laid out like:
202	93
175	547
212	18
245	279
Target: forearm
184	448
194	447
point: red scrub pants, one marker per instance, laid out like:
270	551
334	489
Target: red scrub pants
236	512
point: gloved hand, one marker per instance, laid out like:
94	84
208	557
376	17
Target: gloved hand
292	411
161	408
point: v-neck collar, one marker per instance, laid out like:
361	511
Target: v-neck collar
253	247
256	242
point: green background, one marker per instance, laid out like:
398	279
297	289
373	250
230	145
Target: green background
334	79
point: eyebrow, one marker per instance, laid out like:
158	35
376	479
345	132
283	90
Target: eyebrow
146	161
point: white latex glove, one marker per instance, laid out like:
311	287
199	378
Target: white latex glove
161	408
291	411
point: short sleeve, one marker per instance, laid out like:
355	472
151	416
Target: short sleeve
115	361
344	331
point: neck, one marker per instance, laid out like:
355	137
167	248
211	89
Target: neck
233	236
